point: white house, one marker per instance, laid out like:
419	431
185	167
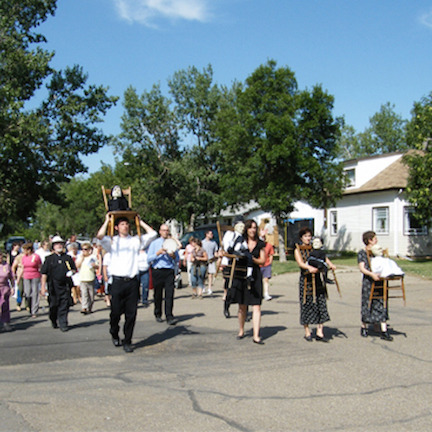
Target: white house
375	200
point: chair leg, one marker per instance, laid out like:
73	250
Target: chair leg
385	295
337	284
232	273
313	288
111	226
138	227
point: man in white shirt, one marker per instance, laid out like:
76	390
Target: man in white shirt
123	268
43	251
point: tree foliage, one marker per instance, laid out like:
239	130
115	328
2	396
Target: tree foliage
149	143
385	134
41	147
419	134
278	144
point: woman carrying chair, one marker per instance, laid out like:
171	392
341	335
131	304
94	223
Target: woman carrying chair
313	308
376	312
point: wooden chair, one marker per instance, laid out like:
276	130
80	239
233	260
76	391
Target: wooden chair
233	265
113	215
375	293
305	251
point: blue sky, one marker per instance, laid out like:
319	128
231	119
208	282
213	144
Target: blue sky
364	52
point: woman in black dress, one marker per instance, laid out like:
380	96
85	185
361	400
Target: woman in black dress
249	292
310	312
376	313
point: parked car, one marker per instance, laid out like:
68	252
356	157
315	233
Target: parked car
11	240
199	233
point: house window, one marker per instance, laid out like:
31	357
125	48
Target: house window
381	220
350	174
333	223
411	225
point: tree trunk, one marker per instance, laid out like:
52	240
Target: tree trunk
191	222
281	230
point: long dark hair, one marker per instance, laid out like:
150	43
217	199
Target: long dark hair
248	224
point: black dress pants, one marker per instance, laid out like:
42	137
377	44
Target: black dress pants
59	300
124	300
163	279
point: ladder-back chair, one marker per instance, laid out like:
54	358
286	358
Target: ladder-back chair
375	293
305	251
232	266
113	215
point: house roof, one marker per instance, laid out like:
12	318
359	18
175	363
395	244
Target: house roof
394	176
377	156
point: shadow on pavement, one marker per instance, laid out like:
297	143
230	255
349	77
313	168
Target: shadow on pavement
169	333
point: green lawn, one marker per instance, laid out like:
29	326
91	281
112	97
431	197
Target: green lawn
421	267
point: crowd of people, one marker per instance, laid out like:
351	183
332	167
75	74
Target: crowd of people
122	267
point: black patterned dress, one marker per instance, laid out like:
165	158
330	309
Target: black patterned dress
376	313
310	312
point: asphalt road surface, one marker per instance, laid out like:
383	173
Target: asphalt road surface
196	376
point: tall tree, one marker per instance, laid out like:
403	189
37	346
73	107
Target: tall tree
41	147
385	134
278	144
82	208
197	102
149	143
419	135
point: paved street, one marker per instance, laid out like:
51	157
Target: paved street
197	377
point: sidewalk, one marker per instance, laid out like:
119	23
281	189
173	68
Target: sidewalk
197	377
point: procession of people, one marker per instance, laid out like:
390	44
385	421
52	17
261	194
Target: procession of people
124	266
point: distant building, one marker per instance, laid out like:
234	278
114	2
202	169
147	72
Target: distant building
374	200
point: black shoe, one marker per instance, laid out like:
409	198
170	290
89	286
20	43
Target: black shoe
116	342
240	337
145	305
64	329
159	319
226	313
385	336
308	338
260	342
363	332
54	325
171	322
329	281
128	348
321	339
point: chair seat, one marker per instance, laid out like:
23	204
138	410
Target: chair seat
377	295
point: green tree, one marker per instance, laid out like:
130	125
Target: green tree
278	144
41	147
419	136
197	102
82	210
149	144
385	134
349	146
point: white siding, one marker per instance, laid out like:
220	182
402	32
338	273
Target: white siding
355	216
